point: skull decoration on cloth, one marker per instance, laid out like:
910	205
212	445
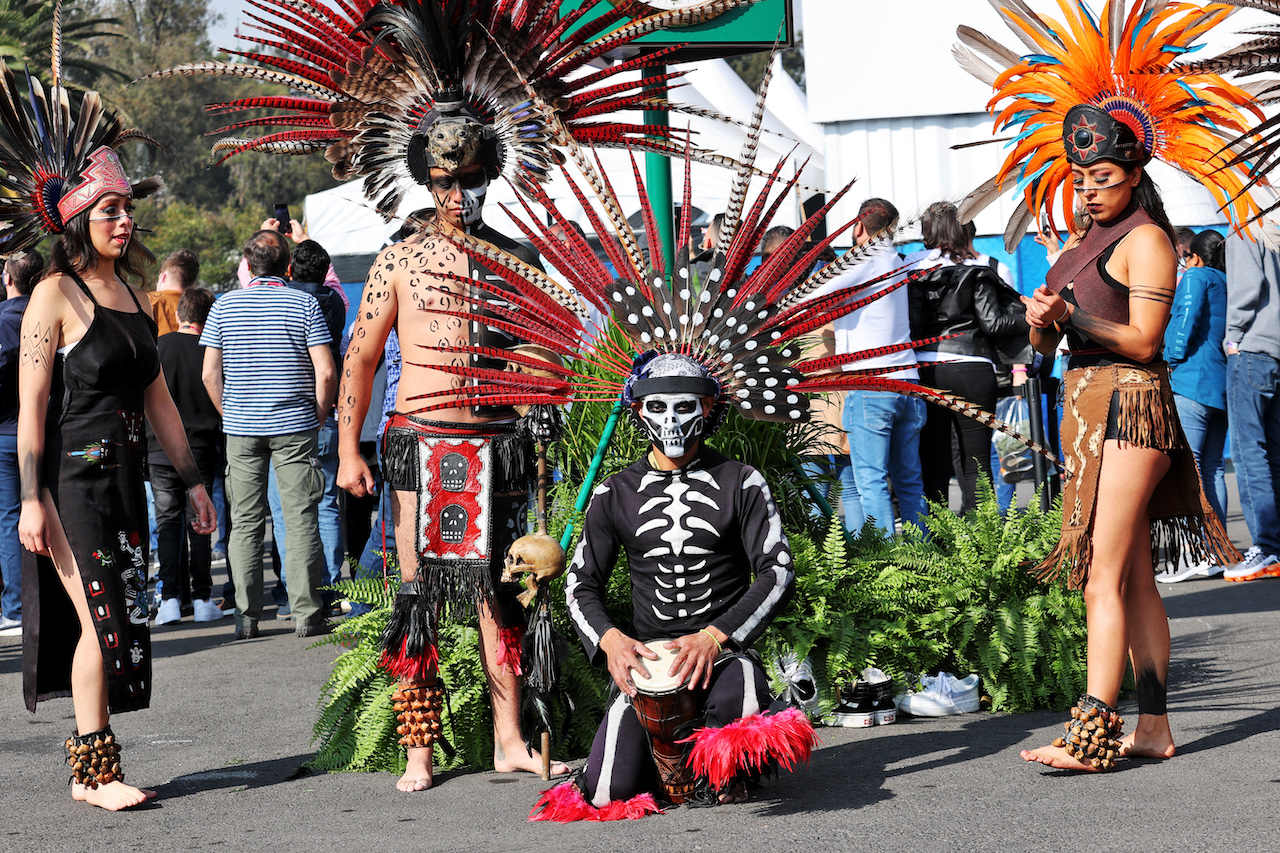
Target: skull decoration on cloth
455	518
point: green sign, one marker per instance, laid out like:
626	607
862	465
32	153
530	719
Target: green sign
741	30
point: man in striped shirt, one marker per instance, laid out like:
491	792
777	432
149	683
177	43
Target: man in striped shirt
269	370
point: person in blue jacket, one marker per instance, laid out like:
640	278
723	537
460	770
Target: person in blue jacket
1198	369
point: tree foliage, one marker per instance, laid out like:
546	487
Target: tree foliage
26	33
751	66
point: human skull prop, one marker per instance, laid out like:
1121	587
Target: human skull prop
453	524
453	472
673	421
537	554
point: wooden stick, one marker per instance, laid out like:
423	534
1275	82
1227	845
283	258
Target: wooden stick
546	756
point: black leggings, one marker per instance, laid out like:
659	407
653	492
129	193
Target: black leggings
621	764
952	443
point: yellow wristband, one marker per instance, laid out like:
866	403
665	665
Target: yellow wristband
719	647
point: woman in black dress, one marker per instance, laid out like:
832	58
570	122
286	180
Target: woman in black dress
89	373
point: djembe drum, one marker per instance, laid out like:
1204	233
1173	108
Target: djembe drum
668	712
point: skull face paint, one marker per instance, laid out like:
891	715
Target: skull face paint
472	202
673	421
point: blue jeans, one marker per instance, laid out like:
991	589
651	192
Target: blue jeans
330	516
1206	430
1253	405
10	546
884	444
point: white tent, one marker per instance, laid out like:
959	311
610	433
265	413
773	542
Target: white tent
345	222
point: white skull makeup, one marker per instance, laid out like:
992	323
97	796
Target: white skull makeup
673	421
472	202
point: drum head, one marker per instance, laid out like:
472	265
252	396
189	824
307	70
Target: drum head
658	681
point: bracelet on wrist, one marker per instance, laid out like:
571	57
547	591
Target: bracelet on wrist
719	648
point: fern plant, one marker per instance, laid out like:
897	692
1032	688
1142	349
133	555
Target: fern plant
960	600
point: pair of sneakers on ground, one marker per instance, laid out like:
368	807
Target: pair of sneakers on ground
866	702
940	695
170	610
1254	566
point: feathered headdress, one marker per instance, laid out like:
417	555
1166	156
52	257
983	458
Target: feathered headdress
1122	64
746	330
368	83
52	167
1257	150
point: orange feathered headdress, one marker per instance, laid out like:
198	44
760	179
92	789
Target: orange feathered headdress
1123	64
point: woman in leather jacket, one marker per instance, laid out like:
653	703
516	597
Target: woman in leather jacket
967	299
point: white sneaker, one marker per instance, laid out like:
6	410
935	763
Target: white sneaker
206	610
170	611
946	695
1255	565
1199	570
801	685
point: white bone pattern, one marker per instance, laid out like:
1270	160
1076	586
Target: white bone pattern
672	499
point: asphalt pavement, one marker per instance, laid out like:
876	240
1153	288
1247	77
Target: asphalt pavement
230	725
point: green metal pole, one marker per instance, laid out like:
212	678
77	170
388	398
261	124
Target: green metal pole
658	183
588	482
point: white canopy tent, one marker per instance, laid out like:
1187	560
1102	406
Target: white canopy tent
346	224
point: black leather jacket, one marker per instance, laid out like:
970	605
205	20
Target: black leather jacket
970	302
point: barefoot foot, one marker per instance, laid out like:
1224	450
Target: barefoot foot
417	773
1138	744
1056	756
112	796
735	793
518	758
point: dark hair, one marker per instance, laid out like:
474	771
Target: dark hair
1211	248
876	215
1185	236
182	265
310	262
73	251
941	229
267	254
775	237
25	271
194	305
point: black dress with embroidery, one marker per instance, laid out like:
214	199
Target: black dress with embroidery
94	467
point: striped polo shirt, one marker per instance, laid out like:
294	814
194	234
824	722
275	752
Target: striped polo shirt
268	381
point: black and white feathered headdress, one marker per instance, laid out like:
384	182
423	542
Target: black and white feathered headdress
378	86
747	331
51	166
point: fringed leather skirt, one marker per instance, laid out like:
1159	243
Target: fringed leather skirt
1137	403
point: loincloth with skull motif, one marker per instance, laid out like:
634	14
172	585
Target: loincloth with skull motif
1133	404
471	484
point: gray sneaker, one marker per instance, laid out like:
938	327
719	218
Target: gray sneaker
10	627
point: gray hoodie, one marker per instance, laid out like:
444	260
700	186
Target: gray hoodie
1253	296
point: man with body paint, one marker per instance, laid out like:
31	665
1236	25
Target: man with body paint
458	474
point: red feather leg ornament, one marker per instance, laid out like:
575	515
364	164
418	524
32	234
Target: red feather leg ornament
565	804
408	667
750	745
510	641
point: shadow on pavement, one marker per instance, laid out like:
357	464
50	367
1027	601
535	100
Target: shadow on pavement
853	775
256	774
